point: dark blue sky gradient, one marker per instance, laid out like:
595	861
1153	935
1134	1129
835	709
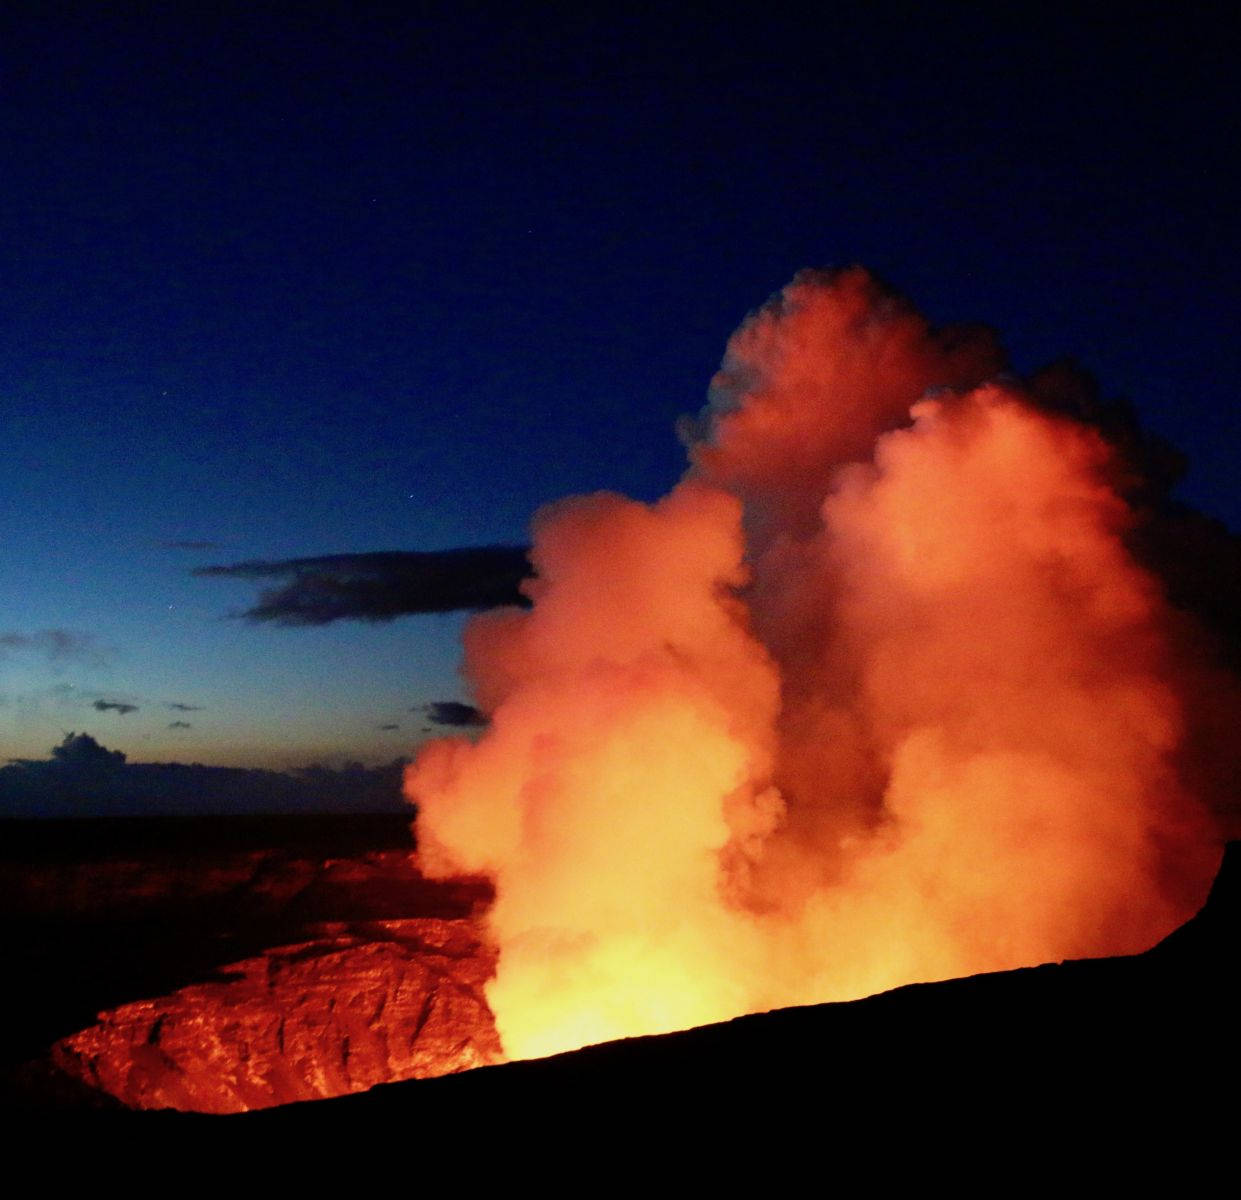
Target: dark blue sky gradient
323	280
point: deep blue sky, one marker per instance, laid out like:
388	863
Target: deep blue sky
319	280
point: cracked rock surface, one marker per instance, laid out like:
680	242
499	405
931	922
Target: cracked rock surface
230	964
355	1007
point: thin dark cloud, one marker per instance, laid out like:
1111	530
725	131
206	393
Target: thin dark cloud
383	585
179	707
452	712
387	727
56	645
189	544
117	706
179	725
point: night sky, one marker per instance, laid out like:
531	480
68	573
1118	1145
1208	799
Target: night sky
288	283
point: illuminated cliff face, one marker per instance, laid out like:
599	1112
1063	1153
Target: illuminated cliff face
875	695
397	1000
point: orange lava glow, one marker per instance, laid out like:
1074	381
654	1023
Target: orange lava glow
875	695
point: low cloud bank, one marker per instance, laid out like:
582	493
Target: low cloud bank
83	778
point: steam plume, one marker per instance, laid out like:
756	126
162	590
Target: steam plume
877	694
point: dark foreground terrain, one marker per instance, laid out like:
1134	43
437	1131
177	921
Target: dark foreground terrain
1130	1058
1102	1052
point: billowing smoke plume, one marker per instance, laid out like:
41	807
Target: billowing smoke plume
875	695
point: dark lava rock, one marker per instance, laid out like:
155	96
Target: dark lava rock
1126	1059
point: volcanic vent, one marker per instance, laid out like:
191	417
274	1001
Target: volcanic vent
879	693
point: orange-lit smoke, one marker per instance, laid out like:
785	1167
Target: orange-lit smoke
875	695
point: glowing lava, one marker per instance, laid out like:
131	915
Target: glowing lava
875	695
